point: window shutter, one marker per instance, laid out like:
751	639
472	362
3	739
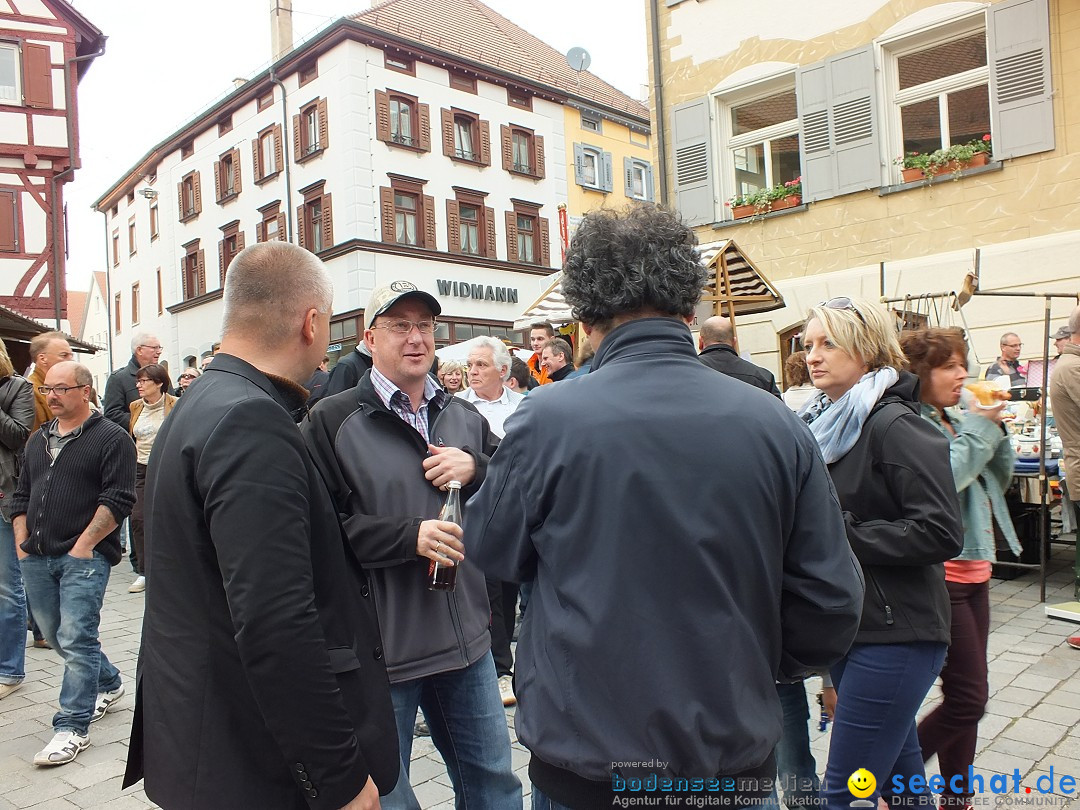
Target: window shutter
386	206
198	193
539	170
201	266
279	153
327	222
260	232
256	168
180	200
221	260
453	227
628	176
236	169
691	132
507	148
382	116
184	278
430	241
545	242
301	228
485	143
241	242
650	194
609	173
511	237
579	164
489	223
425	127
324	125
8	224
1021	96
281	235
37	75
447	132
218	190
297	146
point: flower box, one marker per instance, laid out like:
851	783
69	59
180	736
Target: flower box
785	202
743	211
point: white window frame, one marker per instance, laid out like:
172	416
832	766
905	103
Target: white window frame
597	157
640	168
595	121
16	58
723	103
889	52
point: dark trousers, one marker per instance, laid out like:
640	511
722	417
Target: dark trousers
795	764
503	599
138	537
950	730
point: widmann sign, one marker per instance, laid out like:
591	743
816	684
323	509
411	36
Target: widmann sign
479	292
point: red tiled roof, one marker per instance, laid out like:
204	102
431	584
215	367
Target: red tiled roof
76	311
102	283
473	31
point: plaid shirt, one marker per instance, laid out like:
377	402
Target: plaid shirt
398	401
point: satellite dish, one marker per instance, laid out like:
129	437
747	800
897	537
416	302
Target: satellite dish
578	58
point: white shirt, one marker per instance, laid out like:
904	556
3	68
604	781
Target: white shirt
494	410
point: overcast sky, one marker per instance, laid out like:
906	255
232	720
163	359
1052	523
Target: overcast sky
165	62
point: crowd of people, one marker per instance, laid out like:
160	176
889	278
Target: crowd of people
684	545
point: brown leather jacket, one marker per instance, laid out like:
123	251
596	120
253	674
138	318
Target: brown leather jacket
136	408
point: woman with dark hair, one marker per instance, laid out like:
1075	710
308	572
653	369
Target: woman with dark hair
982	465
893	480
800	390
148	413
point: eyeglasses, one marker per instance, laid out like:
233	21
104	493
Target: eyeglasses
45	390
144	380
187	376
843	303
404	327
152	348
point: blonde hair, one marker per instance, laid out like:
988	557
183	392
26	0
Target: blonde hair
867	332
452	365
6	366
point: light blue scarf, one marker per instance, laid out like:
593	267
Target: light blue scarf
837	425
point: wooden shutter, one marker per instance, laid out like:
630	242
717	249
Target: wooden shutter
485	143
608	183
628	176
241	242
221	261
327	222
9	235
453	227
297	146
184	278
180	200
690	124
201	267
489	224
301	228
507	148
1021	95
382	116
237	187
579	164
281	235
219	191
650	193
256	161
430	241
545	242
197	184
386	208
260	232
37	75
425	127
324	125
279	152
447	119
538	147
511	237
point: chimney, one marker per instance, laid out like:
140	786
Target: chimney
281	33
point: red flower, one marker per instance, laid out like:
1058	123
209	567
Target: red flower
986	137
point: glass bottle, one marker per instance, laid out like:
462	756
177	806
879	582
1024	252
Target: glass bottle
441	576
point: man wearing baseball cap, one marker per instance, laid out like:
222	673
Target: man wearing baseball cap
387	448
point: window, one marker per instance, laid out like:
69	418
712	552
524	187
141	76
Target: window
399	62
187	150
639	179
190	196
114	211
272	225
590	122
313	219
470	225
308	72
10	89
232	242
593	167
310	131
160	296
762	141
224	125
131	197
265	100
118	314
266	154
227	176
408	216
9	221
469	229
523	151
26	78
131	236
401	120
518	98
459	81
193	270
116	247
153	221
466	137
526	238
527	234
134	303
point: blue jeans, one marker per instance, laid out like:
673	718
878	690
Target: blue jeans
12	610
67	593
879	689
464	711
795	765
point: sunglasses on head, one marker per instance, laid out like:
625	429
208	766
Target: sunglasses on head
842	303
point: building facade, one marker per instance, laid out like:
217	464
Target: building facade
835	95
388	155
45	48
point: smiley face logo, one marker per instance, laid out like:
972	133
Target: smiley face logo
861	783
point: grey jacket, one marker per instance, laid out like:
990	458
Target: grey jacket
16	419
372	463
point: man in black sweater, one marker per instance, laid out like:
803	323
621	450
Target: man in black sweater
77	484
719	351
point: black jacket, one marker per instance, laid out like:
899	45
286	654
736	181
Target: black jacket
261	680
684	555
726	360
903	519
347	373
120	392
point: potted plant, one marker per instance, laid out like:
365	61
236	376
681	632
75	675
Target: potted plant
746	205
766	200
786	195
916	166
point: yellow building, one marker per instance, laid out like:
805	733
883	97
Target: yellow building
833	93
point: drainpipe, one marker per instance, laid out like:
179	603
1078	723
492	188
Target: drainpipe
658	98
69	172
285	156
108	294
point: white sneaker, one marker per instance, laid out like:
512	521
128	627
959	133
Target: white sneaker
105	702
7	688
506	690
65	746
138	586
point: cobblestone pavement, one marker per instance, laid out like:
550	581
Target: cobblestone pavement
1032	721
